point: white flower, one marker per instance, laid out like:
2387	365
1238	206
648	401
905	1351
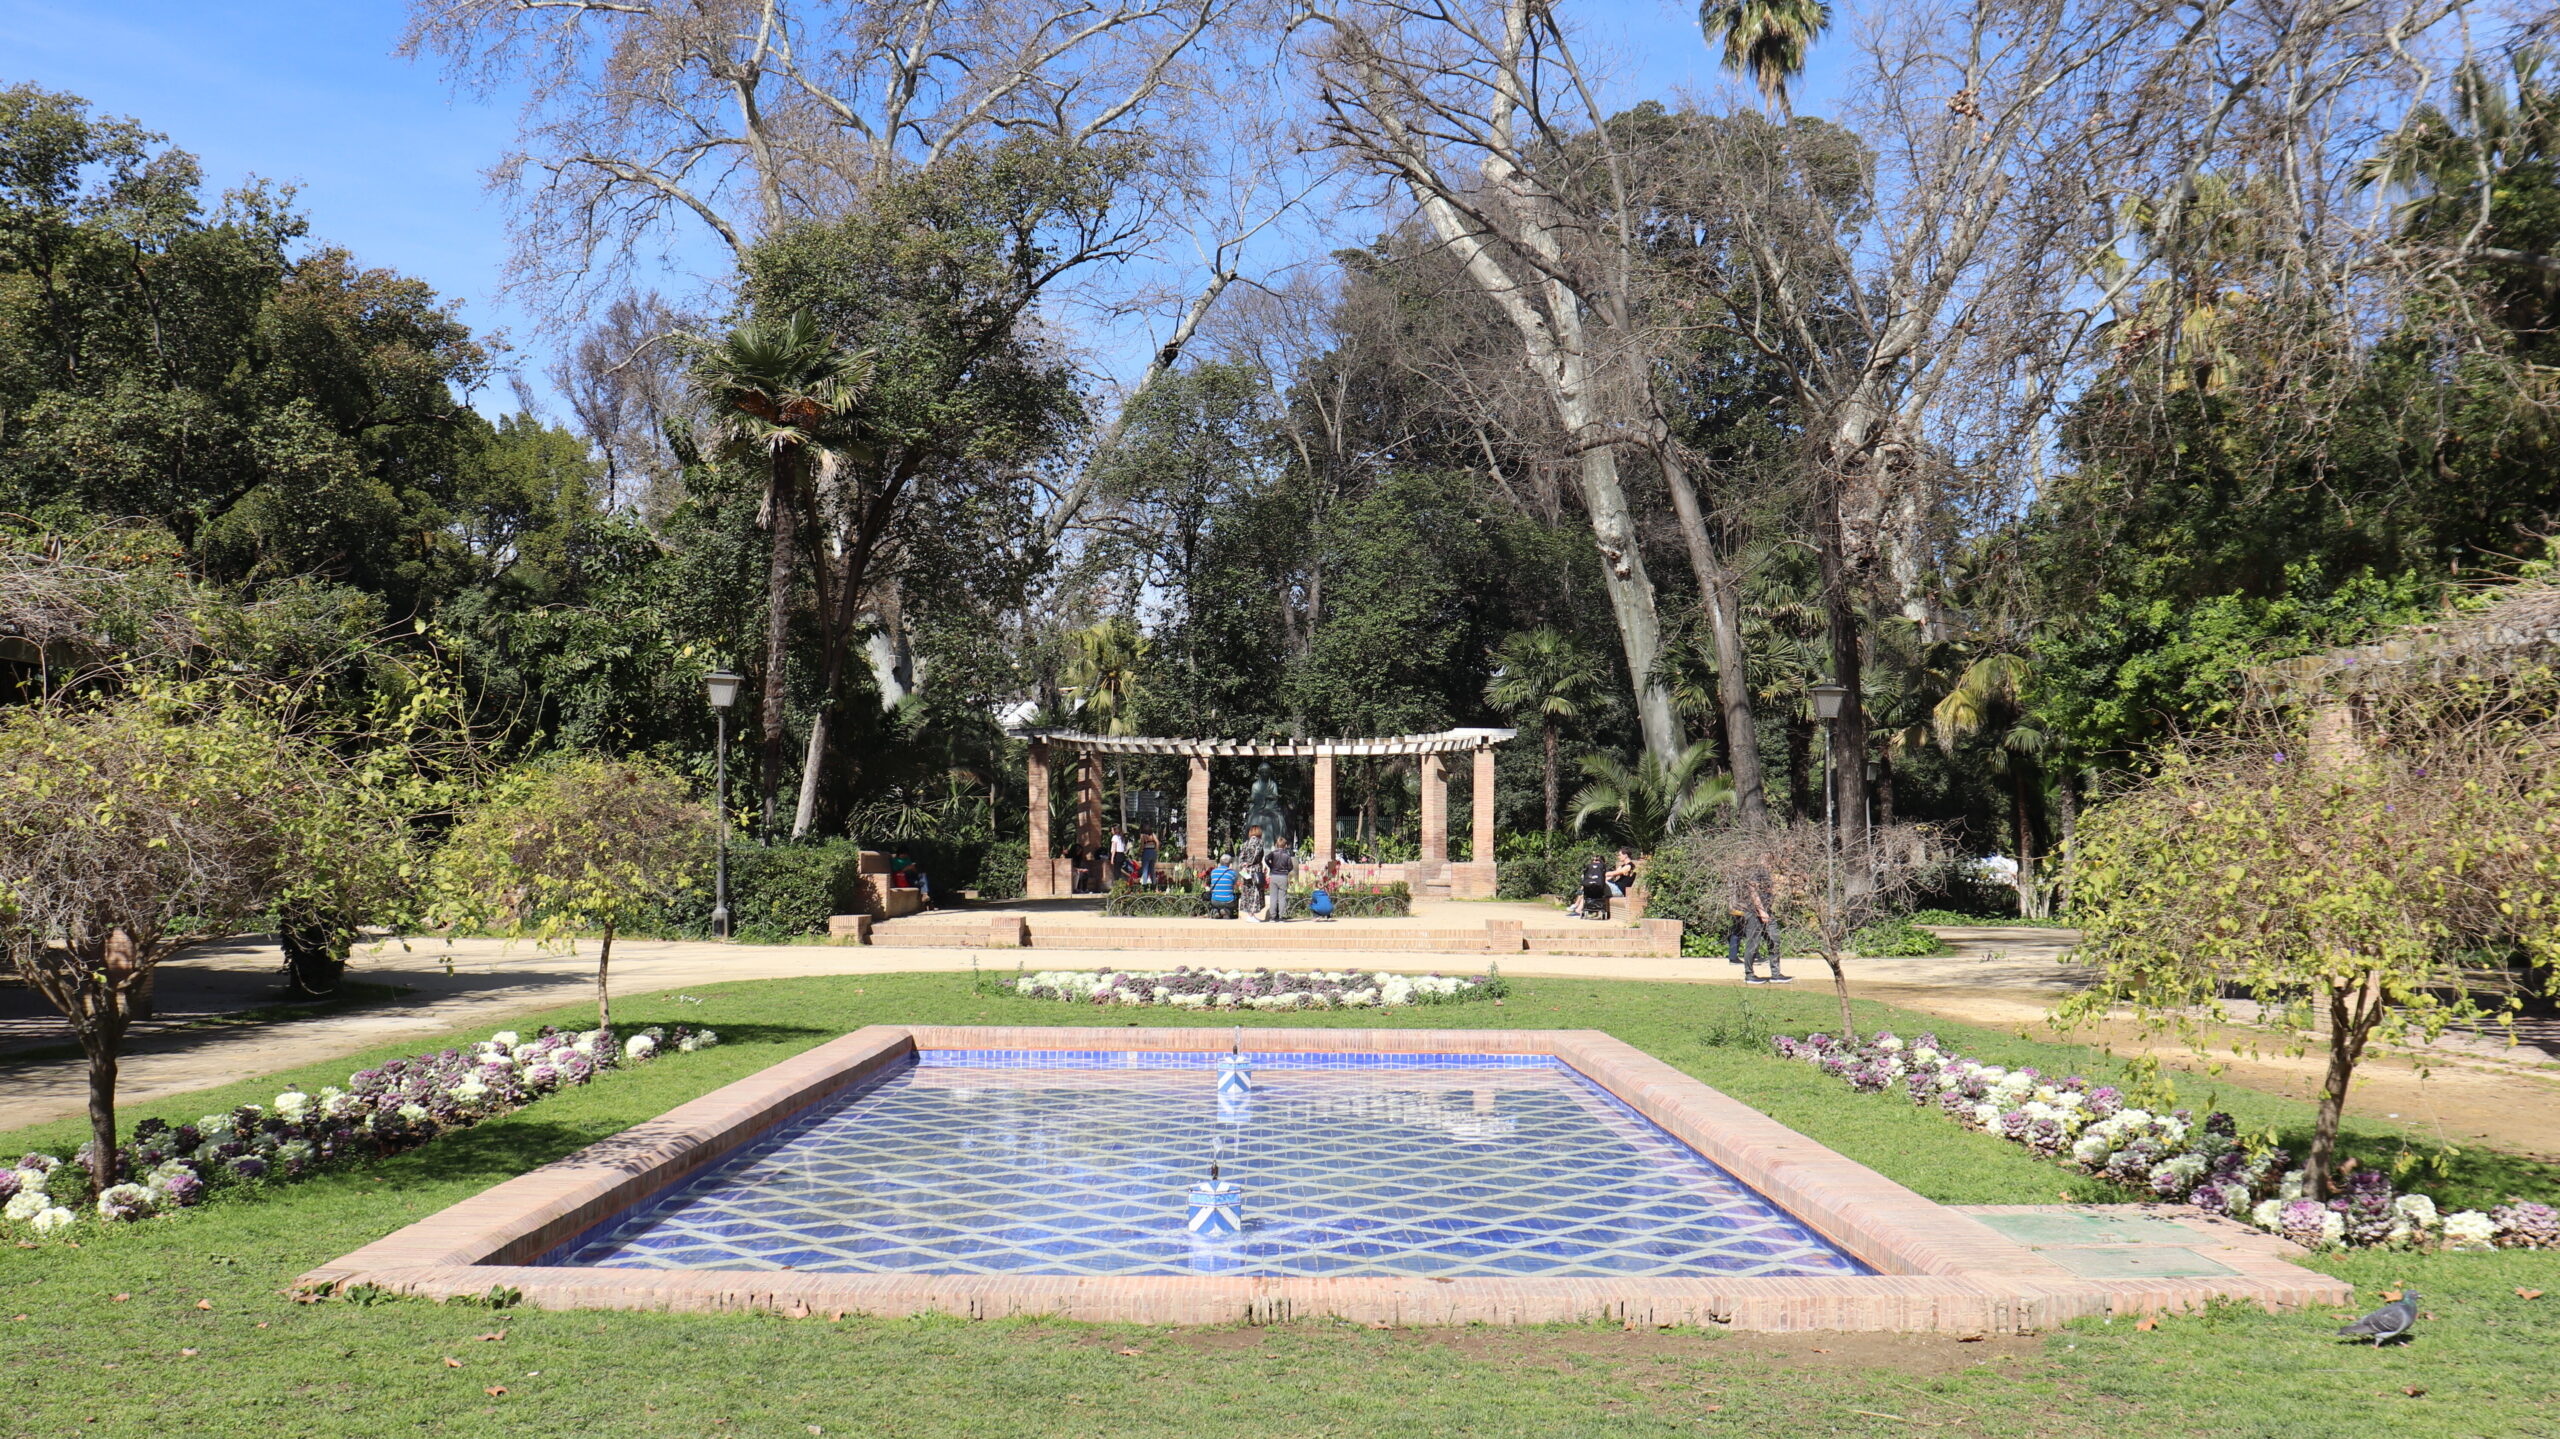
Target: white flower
469	1092
2131	1119
2417	1209
334	1102
126	1201
2333	1229
2469	1229
292	1105
2173	1131
2291	1186
53	1219
24	1205
1888	1044
2185	1166
585	1043
1986	1114
413	1112
505	1038
40	1162
2270	1212
640	1047
2092	1148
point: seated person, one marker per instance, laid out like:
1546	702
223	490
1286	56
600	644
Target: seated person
1221	887
1622	875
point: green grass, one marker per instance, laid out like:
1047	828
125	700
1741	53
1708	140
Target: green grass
2487	1362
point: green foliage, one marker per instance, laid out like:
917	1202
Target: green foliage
574	845
1895	939
776	891
1645	805
1128	901
1003	869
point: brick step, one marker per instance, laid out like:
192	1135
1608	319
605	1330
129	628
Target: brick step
1005	932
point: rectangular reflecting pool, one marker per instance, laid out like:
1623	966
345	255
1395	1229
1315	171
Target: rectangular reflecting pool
1078	1163
1389	1176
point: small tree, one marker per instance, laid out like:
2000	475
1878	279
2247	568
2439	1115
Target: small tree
164	818
573	846
1805	890
1644	806
2344	893
1542	672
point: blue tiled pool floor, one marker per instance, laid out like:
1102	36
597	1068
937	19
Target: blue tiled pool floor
1075	1165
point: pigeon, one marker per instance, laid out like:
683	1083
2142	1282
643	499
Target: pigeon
2391	1321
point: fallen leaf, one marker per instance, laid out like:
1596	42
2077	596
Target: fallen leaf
493	1337
262	1324
2522	1293
1131	1352
814	1429
1971	1338
2146	1322
15	1318
452	1363
1822	1351
122	1298
204	1304
494	1390
1715	1409
2414	1390
2390	1295
187	1353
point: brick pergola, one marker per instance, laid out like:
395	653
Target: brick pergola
1050	875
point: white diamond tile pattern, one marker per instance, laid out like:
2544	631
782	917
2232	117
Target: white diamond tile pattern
1448	1172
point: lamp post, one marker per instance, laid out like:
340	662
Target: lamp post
722	688
1827	698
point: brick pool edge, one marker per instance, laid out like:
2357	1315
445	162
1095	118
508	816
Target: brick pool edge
1938	1269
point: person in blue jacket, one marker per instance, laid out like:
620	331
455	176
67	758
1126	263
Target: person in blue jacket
1222	887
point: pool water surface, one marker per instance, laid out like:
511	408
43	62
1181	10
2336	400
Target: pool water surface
1068	1163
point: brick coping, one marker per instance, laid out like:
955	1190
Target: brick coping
1937	1268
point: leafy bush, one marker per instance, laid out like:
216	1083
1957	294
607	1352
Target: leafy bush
2009	921
1001	870
1686	887
775	892
1364	901
1895	939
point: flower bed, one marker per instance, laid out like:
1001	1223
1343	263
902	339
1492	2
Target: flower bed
1188	988
2175	1157
397	1106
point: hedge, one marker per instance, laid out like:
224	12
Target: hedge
776	891
1365	901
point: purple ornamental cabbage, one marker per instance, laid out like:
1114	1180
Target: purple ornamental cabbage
248	1166
2522	1224
182	1188
2168	1183
2302	1222
2213	1198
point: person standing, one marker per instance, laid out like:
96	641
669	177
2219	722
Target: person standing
1757	899
1147	847
1275	869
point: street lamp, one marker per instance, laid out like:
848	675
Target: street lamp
722	688
1828	695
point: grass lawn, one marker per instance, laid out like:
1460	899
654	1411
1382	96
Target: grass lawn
182	1326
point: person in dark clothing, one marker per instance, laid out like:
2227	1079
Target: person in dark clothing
1276	867
1756	896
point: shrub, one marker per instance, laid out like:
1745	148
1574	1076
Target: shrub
1895	939
776	891
1129	901
1001	869
1365	901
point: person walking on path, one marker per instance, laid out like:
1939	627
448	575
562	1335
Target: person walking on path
1757	899
1275	868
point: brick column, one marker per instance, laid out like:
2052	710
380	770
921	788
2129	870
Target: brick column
1089	813
1195	815
1321	839
1435	813
1484	808
1039	878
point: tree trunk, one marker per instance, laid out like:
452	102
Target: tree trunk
2067	800
1840	986
1884	786
2024	823
1799	768
805	816
1550	727
102	1106
604	996
1631	601
2350	1025
1717	592
782	511
1849	732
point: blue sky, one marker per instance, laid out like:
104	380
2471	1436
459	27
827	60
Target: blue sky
389	159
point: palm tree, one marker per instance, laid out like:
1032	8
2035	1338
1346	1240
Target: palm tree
778	389
1991	696
1542	672
1765	39
1101	677
1643	806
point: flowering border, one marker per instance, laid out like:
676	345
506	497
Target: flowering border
384	1110
1263	989
2091	1128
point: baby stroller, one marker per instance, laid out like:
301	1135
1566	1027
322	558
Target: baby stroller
1595	889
